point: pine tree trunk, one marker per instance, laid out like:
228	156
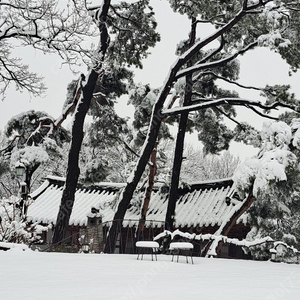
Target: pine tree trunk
128	191
127	194
173	194
73	171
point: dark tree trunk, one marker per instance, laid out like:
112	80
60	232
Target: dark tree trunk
151	177
127	194
73	171
173	194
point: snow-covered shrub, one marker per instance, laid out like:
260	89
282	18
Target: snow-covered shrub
13	225
28	156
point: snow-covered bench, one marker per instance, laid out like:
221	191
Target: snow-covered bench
180	247
142	245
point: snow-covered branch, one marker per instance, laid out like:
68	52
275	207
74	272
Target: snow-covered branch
215	64
216	238
206	103
215	75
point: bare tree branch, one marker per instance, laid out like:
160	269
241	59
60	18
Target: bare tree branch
44	25
231	81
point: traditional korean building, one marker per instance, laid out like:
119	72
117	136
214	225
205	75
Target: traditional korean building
201	208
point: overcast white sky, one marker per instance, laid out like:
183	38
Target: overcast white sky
257	68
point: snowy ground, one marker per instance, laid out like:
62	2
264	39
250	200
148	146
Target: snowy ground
33	275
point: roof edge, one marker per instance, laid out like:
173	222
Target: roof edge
111	186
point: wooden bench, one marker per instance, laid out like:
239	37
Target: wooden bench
142	245
182	247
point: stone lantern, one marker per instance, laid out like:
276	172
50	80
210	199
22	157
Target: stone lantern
94	231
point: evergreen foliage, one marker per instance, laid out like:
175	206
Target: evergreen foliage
25	142
275	176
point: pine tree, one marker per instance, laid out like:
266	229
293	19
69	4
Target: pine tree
27	143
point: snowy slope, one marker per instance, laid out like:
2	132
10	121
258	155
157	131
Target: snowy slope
33	275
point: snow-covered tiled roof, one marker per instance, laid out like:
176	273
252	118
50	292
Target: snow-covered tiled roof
202	204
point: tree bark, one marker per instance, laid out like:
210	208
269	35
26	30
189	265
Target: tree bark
173	194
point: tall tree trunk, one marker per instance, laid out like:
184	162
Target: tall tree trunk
173	194
151	177
149	189
128	191
83	105
73	170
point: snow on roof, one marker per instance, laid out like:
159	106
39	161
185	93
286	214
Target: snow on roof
202	204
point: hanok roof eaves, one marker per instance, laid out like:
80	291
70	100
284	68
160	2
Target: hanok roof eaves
104	186
181	210
79	206
52	193
157	208
224	209
49	206
199	204
202	208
